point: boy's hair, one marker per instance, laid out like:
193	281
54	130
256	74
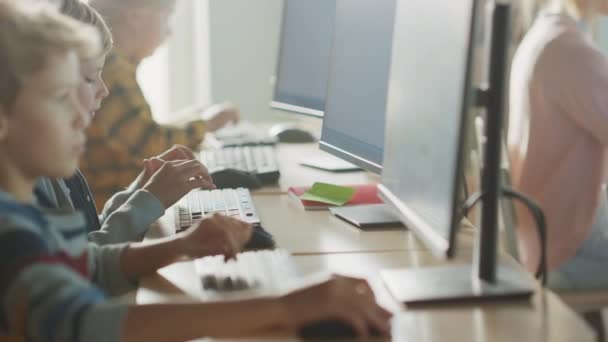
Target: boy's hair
81	11
107	7
31	33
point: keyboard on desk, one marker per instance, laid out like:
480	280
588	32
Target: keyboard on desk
259	160
231	202
265	270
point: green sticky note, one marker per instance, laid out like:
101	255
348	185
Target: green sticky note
329	193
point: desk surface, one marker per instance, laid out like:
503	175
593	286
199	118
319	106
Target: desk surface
320	241
293	174
542	318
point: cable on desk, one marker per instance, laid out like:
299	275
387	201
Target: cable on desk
539	218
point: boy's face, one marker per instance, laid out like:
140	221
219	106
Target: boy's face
43	134
92	90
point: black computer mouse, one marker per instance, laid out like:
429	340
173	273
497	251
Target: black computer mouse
260	239
289	133
331	329
233	178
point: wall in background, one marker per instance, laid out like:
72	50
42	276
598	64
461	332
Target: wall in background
602	34
177	75
244	36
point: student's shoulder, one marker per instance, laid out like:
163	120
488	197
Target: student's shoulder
20	224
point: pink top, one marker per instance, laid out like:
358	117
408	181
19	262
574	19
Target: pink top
558	131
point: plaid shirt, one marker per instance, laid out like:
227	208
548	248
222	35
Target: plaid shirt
123	133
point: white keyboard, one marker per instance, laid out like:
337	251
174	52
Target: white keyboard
197	203
266	270
242	133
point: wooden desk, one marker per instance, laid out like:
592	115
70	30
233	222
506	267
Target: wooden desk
320	241
301	231
543	318
293	174
320	232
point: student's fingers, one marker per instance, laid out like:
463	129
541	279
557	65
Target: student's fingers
378	320
239	231
358	324
155	164
190	168
186	151
195	170
177	152
200	183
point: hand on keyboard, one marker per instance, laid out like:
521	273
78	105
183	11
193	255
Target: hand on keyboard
219	115
174	179
349	300
215	235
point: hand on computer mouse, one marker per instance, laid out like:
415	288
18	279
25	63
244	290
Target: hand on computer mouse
219	115
215	235
350	300
174	179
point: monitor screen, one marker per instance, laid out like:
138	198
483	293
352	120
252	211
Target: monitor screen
303	64
429	100
353	126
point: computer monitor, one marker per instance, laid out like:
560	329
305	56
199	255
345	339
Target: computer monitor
353	125
304	53
430	99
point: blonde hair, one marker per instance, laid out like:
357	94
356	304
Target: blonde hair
81	11
30	35
113	11
112	8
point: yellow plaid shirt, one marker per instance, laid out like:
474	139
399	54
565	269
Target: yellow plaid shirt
123	133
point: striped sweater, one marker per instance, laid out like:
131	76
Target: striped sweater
53	283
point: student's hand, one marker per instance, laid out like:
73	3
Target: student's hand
174	179
215	235
219	115
347	299
176	152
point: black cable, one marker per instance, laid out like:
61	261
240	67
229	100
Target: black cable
539	217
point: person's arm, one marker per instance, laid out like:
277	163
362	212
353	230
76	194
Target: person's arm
125	121
46	296
169	181
176	152
190	321
130	221
347	299
210	236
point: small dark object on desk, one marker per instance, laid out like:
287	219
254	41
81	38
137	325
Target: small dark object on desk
233	178
289	133
331	329
260	239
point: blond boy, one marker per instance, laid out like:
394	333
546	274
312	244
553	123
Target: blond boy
53	284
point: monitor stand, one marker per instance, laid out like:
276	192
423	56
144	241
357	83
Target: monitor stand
487	277
368	216
327	162
453	283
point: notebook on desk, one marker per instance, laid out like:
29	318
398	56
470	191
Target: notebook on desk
364	194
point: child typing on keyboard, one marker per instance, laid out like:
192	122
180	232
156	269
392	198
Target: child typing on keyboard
165	178
54	285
